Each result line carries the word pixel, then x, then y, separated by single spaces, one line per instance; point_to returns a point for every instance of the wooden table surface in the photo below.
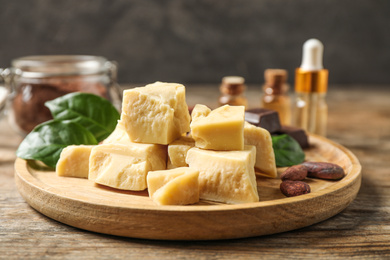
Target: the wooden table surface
pixel 359 119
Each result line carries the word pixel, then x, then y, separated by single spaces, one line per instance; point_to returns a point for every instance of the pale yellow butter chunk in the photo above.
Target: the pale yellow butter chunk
pixel 265 157
pixel 155 154
pixel 220 129
pixel 199 112
pixel 177 151
pixel 157 113
pixel 119 135
pixel 177 186
pixel 124 166
pixel 225 176
pixel 74 161
pixel 170 165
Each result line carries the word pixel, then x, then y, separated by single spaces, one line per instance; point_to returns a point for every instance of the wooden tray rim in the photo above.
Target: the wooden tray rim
pixel 22 172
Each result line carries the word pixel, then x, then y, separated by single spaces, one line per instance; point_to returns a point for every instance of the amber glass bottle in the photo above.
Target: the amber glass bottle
pixel 275 95
pixel 233 92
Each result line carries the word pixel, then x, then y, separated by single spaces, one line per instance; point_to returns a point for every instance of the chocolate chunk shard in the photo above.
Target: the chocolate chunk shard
pixel 297 133
pixel 265 118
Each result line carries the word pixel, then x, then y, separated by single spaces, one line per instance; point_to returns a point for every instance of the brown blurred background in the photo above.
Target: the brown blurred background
pixel 202 41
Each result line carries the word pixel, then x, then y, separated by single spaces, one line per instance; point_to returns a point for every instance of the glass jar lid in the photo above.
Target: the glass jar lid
pixel 60 65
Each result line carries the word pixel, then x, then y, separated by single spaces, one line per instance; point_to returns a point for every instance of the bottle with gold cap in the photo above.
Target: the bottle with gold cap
pixel 232 91
pixel 311 83
pixel 276 94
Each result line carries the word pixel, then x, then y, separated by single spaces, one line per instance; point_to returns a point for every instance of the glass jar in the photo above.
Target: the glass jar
pixel 33 80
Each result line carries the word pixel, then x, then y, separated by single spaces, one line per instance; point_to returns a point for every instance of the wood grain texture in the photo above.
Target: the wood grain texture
pixel 81 203
pixel 359 120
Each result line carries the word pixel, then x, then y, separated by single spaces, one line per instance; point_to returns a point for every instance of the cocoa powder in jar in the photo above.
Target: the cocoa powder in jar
pixel 28 104
pixel 34 80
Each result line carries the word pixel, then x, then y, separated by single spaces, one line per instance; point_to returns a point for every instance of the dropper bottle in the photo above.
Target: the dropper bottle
pixel 311 83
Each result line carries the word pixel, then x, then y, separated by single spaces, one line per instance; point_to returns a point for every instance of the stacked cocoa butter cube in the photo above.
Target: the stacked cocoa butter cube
pixel 209 155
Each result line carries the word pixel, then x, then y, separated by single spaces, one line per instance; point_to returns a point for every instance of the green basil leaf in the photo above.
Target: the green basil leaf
pixel 95 113
pixel 287 151
pixel 47 140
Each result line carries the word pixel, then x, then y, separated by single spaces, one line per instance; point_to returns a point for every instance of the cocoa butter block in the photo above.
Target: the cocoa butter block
pixel 264 118
pixel 177 186
pixel 156 113
pixel 117 166
pixel 177 151
pixel 221 129
pixel 125 166
pixel 265 157
pixel 74 161
pixel 225 176
pixel 297 133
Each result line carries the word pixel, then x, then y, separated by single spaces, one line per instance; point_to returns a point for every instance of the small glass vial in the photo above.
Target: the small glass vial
pixel 276 94
pixel 232 92
pixel 311 112
pixel 311 83
pixel 33 80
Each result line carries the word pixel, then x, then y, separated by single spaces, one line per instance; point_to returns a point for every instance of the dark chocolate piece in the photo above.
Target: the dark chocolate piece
pixel 297 133
pixel 265 118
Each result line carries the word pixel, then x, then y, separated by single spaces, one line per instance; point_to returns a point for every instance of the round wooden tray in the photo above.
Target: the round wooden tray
pixel 83 204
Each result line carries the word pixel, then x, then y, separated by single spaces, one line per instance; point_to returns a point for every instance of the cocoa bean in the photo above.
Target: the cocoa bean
pixel 294 188
pixel 294 173
pixel 324 170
